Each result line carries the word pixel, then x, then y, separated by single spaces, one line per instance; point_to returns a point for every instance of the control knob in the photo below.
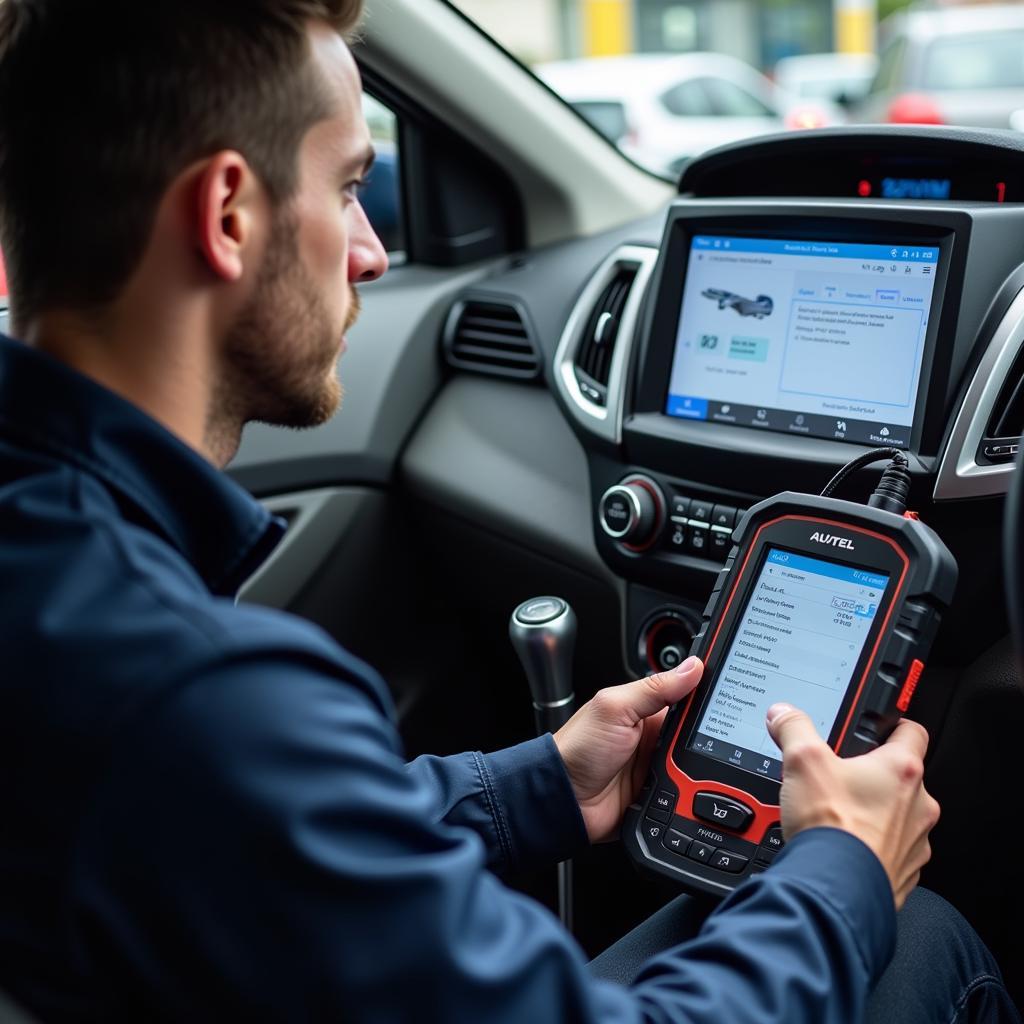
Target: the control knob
pixel 632 512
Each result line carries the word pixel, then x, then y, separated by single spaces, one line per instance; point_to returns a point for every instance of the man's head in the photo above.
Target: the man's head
pixel 208 146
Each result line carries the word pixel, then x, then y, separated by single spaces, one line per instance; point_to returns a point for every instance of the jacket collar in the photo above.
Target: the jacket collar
pixel 162 483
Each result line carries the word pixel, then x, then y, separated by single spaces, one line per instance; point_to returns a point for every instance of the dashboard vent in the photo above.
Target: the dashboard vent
pixel 491 337
pixel 593 360
pixel 1006 424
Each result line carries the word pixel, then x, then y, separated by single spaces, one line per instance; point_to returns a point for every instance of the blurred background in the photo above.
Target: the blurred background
pixel 665 80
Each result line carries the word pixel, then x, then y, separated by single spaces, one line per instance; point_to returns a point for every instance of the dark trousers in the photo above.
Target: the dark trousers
pixel 941 973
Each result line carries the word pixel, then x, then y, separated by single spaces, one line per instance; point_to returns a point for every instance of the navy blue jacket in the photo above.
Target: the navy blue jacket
pixel 205 814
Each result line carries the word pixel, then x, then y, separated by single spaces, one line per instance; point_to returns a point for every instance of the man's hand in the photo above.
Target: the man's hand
pixel 607 744
pixel 878 797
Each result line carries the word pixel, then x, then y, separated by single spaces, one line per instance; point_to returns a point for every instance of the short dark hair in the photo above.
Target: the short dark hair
pixel 103 103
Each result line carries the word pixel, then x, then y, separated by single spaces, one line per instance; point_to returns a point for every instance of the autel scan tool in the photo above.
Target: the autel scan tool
pixel 826 604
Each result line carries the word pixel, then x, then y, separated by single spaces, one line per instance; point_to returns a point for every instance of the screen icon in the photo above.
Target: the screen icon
pixel 762 414
pixel 884 432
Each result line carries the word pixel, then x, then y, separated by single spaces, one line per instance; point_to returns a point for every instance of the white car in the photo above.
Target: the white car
pixel 663 109
pixel 837 77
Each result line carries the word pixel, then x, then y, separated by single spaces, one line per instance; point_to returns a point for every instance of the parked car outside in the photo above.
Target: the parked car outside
pixel 841 78
pixel 663 109
pixel 960 66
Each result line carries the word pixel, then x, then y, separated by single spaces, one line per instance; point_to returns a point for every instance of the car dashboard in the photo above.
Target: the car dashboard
pixel 804 299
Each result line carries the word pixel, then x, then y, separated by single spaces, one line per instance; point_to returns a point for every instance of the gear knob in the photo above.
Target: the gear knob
pixel 543 632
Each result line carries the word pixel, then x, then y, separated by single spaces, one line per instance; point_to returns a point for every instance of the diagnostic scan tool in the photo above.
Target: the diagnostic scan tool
pixel 825 604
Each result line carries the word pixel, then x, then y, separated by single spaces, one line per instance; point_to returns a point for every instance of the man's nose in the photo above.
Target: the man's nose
pixel 367 259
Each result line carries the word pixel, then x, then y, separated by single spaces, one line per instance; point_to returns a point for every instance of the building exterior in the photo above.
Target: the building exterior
pixel 757 31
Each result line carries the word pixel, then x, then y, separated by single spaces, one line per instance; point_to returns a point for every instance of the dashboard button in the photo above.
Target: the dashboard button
pixel 721 542
pixel 721 811
pixel 701 511
pixel 698 540
pixel 726 860
pixel 677 537
pixel 676 842
pixel 723 515
pixel 680 506
pixel 773 839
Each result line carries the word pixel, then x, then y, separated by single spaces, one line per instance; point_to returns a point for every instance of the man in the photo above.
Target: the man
pixel 206 815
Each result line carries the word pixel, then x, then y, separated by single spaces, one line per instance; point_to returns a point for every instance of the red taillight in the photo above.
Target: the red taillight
pixel 913 108
pixel 804 117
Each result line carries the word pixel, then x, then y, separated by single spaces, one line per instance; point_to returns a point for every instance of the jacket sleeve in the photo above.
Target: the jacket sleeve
pixel 518 800
pixel 258 850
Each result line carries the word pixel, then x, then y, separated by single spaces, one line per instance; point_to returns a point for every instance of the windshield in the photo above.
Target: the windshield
pixel 665 81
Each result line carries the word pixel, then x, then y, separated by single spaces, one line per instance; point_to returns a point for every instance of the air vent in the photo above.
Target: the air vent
pixel 491 337
pixel 597 345
pixel 1006 424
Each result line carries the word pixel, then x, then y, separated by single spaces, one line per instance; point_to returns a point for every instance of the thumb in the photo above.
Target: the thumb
pixel 789 727
pixel 636 701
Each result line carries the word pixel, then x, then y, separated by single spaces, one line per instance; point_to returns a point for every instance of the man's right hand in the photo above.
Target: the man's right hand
pixel 879 797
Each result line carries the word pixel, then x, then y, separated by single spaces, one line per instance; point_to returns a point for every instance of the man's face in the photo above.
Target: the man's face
pixel 282 351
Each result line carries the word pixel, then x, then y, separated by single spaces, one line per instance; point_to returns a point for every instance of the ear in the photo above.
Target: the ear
pixel 227 212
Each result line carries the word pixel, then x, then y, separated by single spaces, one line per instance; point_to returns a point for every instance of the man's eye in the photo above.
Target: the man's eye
pixel 354 189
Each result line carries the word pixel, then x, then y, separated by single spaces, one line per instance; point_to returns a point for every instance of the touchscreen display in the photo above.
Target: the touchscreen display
pixel 816 338
pixel 798 640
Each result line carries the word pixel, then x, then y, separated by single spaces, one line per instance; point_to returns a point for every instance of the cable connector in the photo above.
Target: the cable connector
pixel 894 487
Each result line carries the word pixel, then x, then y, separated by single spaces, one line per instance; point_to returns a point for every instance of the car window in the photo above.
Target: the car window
pixel 731 100
pixel 688 99
pixel 986 60
pixel 608 117
pixel 381 196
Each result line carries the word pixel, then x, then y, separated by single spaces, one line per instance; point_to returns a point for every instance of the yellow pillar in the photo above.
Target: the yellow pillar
pixel 854 26
pixel 607 27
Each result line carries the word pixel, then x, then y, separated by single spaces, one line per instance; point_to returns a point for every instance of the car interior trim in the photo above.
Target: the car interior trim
pixel 960 475
pixel 605 421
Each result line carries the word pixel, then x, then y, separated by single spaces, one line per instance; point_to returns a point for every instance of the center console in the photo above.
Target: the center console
pixel 766 343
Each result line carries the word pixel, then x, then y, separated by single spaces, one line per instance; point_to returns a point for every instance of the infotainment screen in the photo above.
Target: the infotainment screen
pixel 817 338
pixel 798 640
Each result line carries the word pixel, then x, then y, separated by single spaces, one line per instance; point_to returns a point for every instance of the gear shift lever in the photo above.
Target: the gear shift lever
pixel 543 632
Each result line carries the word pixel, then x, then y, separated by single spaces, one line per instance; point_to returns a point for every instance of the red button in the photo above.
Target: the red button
pixel 910 685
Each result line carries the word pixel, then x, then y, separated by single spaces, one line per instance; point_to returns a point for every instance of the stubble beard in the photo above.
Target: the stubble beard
pixel 280 357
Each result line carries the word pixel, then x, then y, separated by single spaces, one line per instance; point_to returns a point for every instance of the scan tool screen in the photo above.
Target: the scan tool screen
pixel 798 641
pixel 824 339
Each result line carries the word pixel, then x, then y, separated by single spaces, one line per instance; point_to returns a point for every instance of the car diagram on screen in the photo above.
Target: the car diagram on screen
pixel 758 308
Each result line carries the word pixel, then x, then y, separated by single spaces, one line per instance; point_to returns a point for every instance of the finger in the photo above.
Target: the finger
pixel 633 702
pixel 910 735
pixel 790 728
pixel 645 748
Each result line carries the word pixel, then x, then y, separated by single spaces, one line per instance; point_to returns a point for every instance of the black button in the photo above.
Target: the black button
pixel 701 511
pixel 765 856
pixel 723 515
pixel 701 852
pixel 664 801
pixel 653 829
pixel 773 840
pixel 722 811
pixel 676 842
pixel 659 815
pixel 618 512
pixel 677 537
pixel 725 860
pixel 720 543
pixel 670 657
pixel 698 540
pixel 680 506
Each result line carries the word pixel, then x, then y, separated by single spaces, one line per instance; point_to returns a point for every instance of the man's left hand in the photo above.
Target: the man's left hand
pixel 607 744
